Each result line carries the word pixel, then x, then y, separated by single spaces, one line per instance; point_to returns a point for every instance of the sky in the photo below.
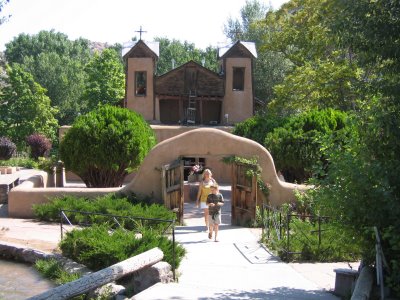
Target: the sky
pixel 200 22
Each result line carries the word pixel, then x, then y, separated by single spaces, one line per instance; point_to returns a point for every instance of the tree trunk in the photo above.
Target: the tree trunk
pixel 92 281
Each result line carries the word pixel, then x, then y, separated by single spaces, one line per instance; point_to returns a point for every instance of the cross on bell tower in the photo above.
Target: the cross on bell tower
pixel 140 32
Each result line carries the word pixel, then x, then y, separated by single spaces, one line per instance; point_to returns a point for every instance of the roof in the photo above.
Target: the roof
pixel 153 46
pixel 249 46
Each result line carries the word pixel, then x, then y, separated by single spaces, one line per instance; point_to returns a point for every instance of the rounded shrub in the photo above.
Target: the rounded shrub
pixel 7 148
pixel 103 146
pixel 39 144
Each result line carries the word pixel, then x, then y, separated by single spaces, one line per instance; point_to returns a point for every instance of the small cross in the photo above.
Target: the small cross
pixel 140 32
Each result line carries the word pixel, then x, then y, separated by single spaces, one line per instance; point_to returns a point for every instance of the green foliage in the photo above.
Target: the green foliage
pixel 54 271
pixel 296 147
pixel 20 162
pixel 57 64
pixel 97 247
pixel 313 239
pixel 103 146
pixel 24 108
pixel 257 127
pixel 110 204
pixel 181 53
pixel 270 66
pixel 106 80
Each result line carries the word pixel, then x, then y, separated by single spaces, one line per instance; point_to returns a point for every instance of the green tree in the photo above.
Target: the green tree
pixel 57 64
pixel 363 187
pixel 106 79
pixel 104 145
pixel 175 53
pixel 270 65
pixel 24 108
pixel 296 146
pixel 64 80
pixel 323 74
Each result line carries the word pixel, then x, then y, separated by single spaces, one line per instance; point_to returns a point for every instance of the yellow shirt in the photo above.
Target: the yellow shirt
pixel 205 190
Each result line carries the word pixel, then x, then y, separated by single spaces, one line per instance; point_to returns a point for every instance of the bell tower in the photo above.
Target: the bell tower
pixel 140 64
pixel 237 68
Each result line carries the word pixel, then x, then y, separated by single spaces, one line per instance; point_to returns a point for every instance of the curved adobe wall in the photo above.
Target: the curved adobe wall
pixel 219 143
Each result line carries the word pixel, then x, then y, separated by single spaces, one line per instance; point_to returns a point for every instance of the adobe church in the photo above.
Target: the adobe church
pixel 191 94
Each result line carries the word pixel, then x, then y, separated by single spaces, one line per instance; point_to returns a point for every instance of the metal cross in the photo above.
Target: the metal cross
pixel 140 32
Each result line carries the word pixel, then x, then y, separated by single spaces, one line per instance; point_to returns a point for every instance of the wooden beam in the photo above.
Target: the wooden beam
pixel 92 281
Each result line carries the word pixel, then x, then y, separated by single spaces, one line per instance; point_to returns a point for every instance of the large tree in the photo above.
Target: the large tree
pixel 106 80
pixel 270 65
pixel 57 64
pixel 24 108
pixel 323 74
pixel 175 53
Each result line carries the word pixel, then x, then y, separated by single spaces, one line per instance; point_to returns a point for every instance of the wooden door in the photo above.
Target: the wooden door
pixel 172 187
pixel 244 195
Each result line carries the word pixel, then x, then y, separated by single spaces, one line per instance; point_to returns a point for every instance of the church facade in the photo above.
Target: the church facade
pixel 191 94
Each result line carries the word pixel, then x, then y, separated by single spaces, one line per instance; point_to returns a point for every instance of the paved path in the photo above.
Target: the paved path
pixel 236 267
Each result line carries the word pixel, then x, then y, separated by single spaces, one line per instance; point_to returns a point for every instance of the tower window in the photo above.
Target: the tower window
pixel 238 79
pixel 140 83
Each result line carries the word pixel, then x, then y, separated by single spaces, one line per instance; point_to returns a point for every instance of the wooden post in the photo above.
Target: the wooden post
pixel 92 281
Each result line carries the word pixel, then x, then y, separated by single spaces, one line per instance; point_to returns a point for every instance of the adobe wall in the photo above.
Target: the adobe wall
pixel 219 144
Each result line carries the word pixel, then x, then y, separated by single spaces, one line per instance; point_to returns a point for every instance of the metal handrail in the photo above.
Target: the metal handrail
pixel 63 217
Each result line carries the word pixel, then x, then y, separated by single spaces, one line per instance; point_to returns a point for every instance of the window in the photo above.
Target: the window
pixel 238 79
pixel 140 83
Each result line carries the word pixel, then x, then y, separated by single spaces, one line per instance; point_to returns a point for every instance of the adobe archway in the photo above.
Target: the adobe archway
pixel 147 180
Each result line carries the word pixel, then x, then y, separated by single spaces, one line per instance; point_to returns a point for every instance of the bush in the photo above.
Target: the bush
pixel 54 271
pixel 39 144
pixel 109 204
pixel 257 127
pixel 97 247
pixel 20 162
pixel 297 146
pixel 7 148
pixel 103 146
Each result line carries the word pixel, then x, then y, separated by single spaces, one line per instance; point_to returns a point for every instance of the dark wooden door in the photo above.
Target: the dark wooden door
pixel 172 187
pixel 244 195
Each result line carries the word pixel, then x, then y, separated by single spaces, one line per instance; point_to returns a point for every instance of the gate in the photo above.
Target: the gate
pixel 172 187
pixel 244 194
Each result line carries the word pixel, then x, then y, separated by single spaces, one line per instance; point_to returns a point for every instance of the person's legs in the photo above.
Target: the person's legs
pixel 206 217
pixel 211 224
pixel 216 231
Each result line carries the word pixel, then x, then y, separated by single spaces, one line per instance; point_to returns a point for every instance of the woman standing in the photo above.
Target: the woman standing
pixel 204 190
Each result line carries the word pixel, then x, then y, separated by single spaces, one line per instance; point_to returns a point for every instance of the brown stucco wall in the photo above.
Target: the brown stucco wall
pixel 238 104
pixel 207 142
pixel 32 191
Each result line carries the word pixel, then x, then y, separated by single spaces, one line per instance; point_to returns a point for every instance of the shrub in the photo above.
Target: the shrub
pixel 54 271
pixel 297 146
pixel 7 148
pixel 103 146
pixel 39 144
pixel 97 247
pixel 109 204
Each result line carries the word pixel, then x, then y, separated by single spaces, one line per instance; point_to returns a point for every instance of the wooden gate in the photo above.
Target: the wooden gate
pixel 172 187
pixel 244 195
